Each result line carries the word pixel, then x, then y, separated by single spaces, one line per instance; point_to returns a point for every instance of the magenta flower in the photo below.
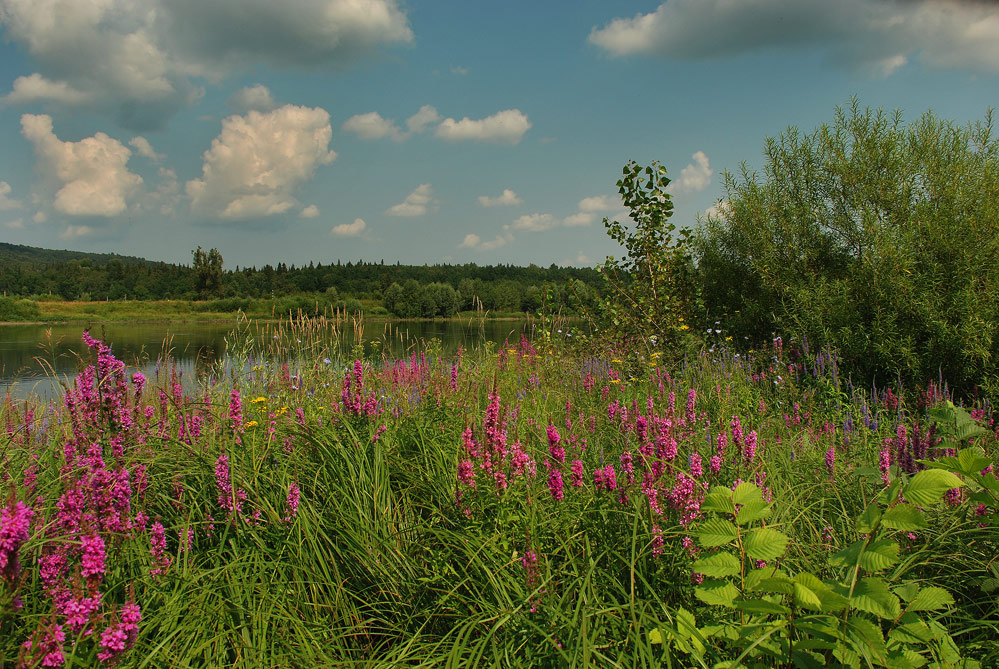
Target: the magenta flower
pixel 15 520
pixel 466 473
pixel 554 445
pixel 291 502
pixel 555 485
pixel 157 550
pixel 93 557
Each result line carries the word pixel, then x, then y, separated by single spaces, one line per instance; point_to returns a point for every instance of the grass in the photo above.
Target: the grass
pixel 52 311
pixel 394 557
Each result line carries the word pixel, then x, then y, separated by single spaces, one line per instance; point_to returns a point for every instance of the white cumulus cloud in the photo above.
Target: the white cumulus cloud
pixel 372 126
pixel 474 241
pixel 878 36
pixel 422 119
pixel 258 162
pixel 90 175
pixel 696 176
pixel 312 211
pixel 6 202
pixel 349 229
pixel 257 97
pixel 507 198
pixel 36 88
pixel 597 203
pixel 415 204
pixel 75 232
pixel 16 224
pixel 535 222
pixel 504 127
pixel 145 149
pixel 145 59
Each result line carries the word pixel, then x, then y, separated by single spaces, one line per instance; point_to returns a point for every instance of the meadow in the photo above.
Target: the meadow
pixel 544 503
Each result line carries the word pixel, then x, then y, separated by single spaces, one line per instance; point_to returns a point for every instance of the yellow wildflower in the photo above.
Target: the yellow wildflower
pixel 258 400
pixel 250 423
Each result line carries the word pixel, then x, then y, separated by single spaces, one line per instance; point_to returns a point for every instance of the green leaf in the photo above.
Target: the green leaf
pixel 879 555
pixel 768 579
pixel 931 598
pixel 807 598
pixel 929 485
pixel 847 557
pixel 718 565
pixel 716 532
pixel 906 591
pixel 972 460
pixel 889 495
pixel 873 596
pixel 753 510
pixel 719 500
pixel 970 431
pixel 868 519
pixel 904 518
pixel 717 593
pixel 765 544
pixel 746 492
pixel 762 606
pixel 867 638
pixel 655 637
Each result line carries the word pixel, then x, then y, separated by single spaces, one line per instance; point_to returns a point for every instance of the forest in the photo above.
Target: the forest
pixel 411 291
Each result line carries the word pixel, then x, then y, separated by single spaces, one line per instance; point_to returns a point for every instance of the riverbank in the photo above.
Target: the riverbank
pixel 216 311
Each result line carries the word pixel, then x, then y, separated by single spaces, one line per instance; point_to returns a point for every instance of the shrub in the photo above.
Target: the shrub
pixel 18 310
pixel 872 235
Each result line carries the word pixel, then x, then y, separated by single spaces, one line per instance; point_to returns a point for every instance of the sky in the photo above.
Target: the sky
pixel 432 131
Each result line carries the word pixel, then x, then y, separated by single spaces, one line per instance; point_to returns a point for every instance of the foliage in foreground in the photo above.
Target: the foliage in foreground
pixel 532 506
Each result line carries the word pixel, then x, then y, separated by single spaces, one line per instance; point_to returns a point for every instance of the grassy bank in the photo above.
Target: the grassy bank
pixel 535 505
pixel 51 311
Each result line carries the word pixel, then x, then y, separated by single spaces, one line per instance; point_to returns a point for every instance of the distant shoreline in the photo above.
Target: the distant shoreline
pixel 184 311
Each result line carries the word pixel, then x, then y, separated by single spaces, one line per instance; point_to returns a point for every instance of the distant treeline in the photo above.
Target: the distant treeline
pixel 403 290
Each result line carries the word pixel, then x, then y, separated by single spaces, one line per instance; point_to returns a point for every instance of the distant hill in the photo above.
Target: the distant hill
pixel 16 253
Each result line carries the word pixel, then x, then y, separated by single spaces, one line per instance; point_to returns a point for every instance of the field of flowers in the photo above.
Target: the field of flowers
pixel 539 504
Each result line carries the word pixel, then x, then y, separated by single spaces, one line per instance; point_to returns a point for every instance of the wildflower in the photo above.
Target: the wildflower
pixel 750 447
pixel 93 556
pixel 831 459
pixel 554 445
pixel 466 473
pixel 14 523
pixel 292 501
pixel 577 474
pixel 120 636
pixel 555 485
pixel 157 549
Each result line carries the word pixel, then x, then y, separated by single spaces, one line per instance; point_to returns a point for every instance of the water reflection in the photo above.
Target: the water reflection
pixel 36 360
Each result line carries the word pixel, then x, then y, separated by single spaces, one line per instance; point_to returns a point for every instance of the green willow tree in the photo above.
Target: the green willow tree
pixel 877 237
pixel 651 294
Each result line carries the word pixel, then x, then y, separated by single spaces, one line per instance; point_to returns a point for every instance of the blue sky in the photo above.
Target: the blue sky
pixel 426 132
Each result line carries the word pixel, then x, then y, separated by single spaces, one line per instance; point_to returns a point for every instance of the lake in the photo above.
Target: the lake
pixel 34 359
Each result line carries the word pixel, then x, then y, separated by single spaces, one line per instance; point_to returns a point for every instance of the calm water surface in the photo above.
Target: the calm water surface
pixel 36 359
